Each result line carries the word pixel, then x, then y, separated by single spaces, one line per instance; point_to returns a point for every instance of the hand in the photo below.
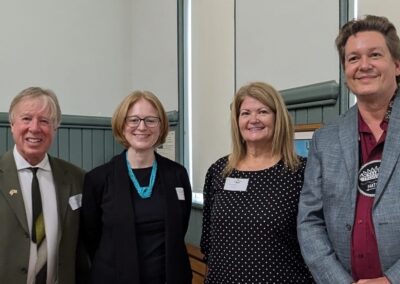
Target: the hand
pixel 380 280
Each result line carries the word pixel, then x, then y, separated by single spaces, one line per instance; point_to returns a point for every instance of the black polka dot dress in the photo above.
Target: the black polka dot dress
pixel 250 236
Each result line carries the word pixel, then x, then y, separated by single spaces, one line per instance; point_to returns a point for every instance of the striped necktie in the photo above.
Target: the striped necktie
pixel 38 230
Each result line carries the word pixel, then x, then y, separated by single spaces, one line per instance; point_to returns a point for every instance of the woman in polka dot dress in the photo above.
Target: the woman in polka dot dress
pixel 251 196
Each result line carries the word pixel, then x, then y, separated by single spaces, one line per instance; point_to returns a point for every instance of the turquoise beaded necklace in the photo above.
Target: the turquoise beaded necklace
pixel 143 191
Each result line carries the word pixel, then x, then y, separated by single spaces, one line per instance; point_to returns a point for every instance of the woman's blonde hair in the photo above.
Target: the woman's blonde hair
pixel 119 117
pixel 282 141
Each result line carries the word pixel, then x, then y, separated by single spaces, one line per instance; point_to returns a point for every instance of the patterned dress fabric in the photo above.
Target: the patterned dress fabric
pixel 250 236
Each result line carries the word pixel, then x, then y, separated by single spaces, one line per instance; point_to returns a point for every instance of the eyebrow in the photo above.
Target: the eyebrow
pixel 264 107
pixel 380 48
pixel 33 114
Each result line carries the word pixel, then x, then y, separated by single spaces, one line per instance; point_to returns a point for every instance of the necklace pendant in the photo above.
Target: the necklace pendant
pixel 143 191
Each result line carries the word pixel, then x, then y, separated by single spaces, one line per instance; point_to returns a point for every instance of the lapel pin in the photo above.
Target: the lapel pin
pixel 12 192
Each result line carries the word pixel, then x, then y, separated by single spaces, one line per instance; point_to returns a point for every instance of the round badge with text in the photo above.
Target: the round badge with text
pixel 368 178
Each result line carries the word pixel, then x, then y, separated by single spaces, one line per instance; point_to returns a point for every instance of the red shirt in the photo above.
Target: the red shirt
pixel 365 262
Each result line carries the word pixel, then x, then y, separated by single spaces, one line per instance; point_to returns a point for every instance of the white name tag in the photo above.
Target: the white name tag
pixel 180 193
pixel 75 201
pixel 236 184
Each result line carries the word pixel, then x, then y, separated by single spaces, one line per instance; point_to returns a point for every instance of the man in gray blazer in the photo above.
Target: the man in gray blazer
pixel 40 250
pixel 349 211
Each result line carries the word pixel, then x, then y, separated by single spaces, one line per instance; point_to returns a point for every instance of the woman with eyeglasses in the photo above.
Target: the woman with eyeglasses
pixel 135 208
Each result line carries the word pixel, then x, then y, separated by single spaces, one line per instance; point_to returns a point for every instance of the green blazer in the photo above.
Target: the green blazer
pixel 14 231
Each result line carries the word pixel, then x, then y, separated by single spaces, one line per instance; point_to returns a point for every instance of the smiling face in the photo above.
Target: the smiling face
pixel 142 138
pixel 32 129
pixel 256 122
pixel 370 69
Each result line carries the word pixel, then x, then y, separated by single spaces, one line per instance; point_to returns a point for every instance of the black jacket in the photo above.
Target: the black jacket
pixel 107 222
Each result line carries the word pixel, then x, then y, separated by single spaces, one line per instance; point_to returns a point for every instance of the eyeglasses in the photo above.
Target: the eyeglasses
pixel 149 121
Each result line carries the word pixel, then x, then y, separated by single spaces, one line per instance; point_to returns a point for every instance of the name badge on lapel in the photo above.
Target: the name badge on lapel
pixel 180 193
pixel 236 184
pixel 75 201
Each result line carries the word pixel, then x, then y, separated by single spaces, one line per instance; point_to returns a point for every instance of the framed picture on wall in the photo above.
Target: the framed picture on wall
pixel 302 137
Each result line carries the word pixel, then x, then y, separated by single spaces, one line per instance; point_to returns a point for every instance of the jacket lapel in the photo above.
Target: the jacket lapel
pixel 11 189
pixel 124 231
pixel 348 137
pixel 391 150
pixel 63 188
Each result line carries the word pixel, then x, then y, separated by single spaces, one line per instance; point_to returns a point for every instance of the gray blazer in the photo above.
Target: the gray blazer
pixel 327 201
pixel 14 231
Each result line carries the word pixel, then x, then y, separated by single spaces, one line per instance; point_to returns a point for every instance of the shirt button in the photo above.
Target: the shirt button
pixel 348 227
pixel 24 270
pixel 360 221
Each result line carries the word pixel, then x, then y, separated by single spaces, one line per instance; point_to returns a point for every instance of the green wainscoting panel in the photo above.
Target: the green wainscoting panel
pixel 3 140
pixel 193 234
pixel 314 115
pixel 54 147
pixel 6 141
pixel 63 148
pixel 82 140
pixel 331 113
pixel 301 116
pixel 87 154
pixel 98 146
pixel 292 114
pixel 75 143
pixel 109 143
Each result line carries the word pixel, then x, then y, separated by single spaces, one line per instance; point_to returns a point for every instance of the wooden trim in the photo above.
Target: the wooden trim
pixel 197 264
pixel 307 127
pixel 194 251
pixel 197 278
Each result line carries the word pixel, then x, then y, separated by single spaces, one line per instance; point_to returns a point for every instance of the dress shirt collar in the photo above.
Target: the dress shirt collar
pixel 21 163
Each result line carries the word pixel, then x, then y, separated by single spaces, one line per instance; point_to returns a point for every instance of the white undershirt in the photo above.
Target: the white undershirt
pixel 50 212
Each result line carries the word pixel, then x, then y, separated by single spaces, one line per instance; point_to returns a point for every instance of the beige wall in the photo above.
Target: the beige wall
pixel 213 83
pixel 154 56
pixel 286 43
pixel 387 8
pixel 92 53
